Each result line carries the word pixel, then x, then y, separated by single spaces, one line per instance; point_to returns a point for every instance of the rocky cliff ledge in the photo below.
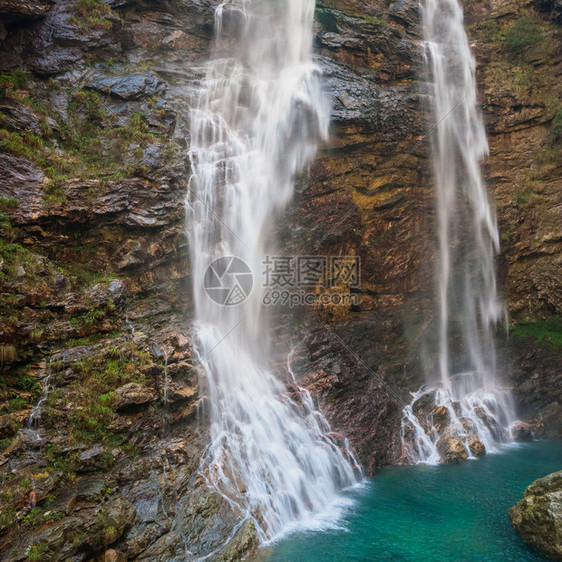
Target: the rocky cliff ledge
pixel 94 280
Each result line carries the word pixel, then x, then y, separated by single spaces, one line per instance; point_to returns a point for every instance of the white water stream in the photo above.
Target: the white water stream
pixel 256 123
pixel 468 304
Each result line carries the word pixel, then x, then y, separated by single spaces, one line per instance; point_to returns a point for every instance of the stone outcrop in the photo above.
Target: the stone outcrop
pixel 538 516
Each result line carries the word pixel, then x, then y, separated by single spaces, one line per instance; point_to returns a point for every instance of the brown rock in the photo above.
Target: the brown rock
pixel 452 450
pixel 441 418
pixel 476 447
pixel 134 394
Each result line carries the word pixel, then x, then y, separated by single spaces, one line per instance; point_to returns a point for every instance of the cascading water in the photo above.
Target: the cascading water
pixel 471 405
pixel 256 123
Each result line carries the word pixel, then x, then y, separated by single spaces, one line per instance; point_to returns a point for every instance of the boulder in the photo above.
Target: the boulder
pixel 132 86
pixel 134 394
pixel 538 516
pixel 452 450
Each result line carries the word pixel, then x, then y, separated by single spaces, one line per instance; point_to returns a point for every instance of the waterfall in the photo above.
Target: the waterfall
pixel 468 396
pixel 255 124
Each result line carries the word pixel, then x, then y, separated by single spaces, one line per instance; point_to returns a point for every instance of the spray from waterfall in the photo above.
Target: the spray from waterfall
pixel 256 123
pixel 467 401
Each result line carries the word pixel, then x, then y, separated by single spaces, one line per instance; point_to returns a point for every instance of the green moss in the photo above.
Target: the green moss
pixel 90 423
pixel 491 30
pixel 27 383
pixel 60 460
pixel 87 319
pixel 547 330
pixel 13 405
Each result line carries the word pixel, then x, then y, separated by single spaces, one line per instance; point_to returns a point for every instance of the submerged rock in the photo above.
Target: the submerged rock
pixel 538 516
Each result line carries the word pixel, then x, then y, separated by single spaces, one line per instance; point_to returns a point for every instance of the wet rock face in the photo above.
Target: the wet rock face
pixel 538 516
pixel 359 397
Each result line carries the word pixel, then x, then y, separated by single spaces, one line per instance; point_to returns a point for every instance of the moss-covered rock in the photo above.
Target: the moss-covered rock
pixel 538 516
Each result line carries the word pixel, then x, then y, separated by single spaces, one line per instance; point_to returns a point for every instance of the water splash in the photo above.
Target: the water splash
pixel 256 123
pixel 469 306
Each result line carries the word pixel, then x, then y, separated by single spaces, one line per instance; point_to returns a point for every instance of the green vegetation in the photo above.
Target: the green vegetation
pixel 97 376
pixel 524 33
pixel 87 319
pixel 36 552
pixel 547 330
pixel 90 145
pixel 92 14
pixel 23 143
pixel 13 80
pixel 11 254
pixel 490 29
pixel 375 20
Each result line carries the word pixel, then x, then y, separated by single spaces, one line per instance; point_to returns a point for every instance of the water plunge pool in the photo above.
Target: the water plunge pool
pixel 432 513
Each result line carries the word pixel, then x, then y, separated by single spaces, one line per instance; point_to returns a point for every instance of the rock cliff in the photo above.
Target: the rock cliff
pixel 94 279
